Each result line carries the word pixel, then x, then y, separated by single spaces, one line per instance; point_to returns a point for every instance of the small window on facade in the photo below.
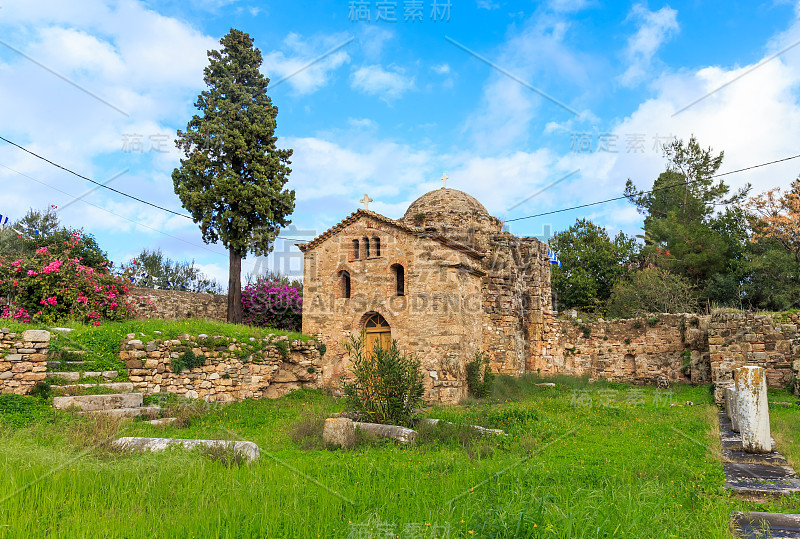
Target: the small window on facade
pixel 399 280
pixel 355 249
pixel 344 283
pixel 366 247
pixel 376 241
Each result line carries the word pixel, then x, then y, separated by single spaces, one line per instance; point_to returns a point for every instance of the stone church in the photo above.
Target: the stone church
pixel 444 281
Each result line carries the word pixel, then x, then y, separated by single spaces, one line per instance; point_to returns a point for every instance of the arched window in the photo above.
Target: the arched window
pixel 366 247
pixel 376 241
pixel 355 249
pixel 344 284
pixel 399 274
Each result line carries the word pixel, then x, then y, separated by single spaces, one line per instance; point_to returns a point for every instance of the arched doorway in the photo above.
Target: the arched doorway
pixel 378 333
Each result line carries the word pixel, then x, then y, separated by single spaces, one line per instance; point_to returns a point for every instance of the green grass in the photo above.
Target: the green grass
pixel 785 424
pixel 102 342
pixel 580 460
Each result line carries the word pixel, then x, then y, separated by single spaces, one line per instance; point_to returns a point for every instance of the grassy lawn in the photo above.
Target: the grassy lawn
pixel 580 460
pixel 102 342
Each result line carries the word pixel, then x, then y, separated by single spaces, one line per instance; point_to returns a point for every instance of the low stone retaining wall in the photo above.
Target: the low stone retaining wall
pixel 178 304
pixel 23 359
pixel 739 339
pixel 232 371
pixel 672 347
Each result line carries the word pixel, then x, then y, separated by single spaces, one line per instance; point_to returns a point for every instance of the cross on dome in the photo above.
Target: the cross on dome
pixel 365 201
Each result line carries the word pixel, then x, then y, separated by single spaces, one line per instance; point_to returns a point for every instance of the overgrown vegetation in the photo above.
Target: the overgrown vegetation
pixel 386 385
pixel 564 467
pixel 188 360
pixel 479 376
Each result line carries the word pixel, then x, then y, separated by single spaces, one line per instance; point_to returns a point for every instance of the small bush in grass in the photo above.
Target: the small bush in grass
pixel 479 376
pixel 42 390
pixel 386 385
pixel 307 432
pixel 225 453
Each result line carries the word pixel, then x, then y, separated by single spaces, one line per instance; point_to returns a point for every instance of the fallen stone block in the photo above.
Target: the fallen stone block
pixel 482 430
pixel 339 431
pixel 124 387
pixel 394 432
pixel 131 443
pixel 137 411
pixel 89 403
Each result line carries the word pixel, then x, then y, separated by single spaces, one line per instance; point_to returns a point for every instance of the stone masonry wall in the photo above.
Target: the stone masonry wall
pixel 177 304
pixel 672 347
pixel 233 370
pixel 769 341
pixel 23 359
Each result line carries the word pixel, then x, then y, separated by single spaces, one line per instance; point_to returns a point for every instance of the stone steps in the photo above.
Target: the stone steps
pixel 122 387
pixel 752 525
pixel 753 474
pixel 114 404
pixel 74 376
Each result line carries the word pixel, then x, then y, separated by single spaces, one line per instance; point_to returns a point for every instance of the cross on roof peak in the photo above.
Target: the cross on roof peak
pixel 444 179
pixel 365 201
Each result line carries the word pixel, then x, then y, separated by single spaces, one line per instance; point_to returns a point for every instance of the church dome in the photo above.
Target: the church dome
pixel 448 208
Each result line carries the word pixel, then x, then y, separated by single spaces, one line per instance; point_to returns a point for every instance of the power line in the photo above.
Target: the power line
pixel 111 212
pixel 94 182
pixel 112 189
pixel 652 190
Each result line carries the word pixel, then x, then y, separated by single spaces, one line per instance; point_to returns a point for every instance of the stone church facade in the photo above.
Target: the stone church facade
pixel 444 281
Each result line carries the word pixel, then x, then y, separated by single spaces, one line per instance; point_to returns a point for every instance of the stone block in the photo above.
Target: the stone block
pixel 247 449
pixel 99 402
pixel 339 431
pixel 752 409
pixel 36 335
pixel 133 364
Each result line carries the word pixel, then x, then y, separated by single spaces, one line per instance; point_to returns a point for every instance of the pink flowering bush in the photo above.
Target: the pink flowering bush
pixel 52 285
pixel 269 303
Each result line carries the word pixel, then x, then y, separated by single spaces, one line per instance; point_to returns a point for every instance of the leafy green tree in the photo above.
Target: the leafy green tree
pixel 590 264
pixel 233 175
pixel 153 269
pixel 684 231
pixel 651 290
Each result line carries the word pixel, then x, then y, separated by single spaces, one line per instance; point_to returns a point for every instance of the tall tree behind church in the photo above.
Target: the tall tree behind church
pixel 692 226
pixel 232 179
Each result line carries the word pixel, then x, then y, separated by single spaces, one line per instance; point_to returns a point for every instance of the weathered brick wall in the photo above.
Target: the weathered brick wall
pixel 23 359
pixel 177 304
pixel 233 370
pixel 738 339
pixel 671 347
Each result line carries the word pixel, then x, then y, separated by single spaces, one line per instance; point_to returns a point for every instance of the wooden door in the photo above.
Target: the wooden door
pixel 378 333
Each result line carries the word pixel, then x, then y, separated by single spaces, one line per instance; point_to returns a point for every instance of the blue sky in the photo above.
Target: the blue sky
pixel 506 97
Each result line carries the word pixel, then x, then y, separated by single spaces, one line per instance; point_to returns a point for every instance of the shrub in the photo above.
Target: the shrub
pixel 269 303
pixel 652 290
pixel 189 360
pixel 386 385
pixel 49 287
pixel 479 376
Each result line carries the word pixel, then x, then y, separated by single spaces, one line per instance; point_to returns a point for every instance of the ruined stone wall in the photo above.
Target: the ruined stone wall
pixel 438 319
pixel 23 359
pixel 769 341
pixel 178 304
pixel 672 347
pixel 233 370
pixel 517 302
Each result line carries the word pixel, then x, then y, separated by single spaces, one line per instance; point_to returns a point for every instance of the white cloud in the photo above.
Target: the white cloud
pixel 655 28
pixel 389 83
pixel 309 64
pixel 441 69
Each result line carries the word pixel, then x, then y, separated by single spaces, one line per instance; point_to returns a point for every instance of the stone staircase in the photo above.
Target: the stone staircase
pixel 112 404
